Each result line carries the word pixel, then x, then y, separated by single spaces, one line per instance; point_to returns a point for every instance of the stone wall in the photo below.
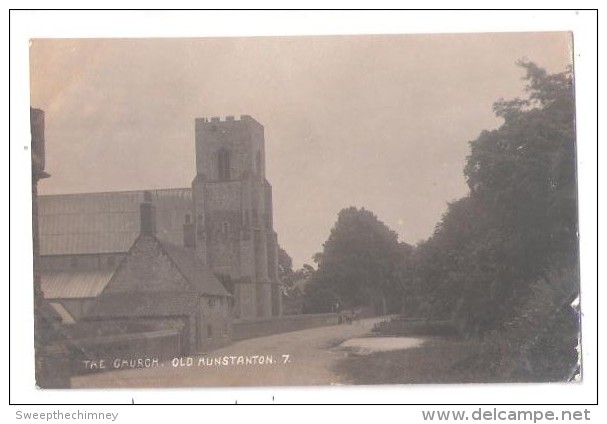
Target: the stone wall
pixel 246 300
pixel 264 327
pixel 216 329
pixel 147 269
pixel 264 300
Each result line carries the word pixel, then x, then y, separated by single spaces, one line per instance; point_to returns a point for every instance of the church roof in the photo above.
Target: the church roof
pixel 89 223
pixel 74 284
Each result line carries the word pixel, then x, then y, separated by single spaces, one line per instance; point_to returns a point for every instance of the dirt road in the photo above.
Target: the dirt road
pixel 298 358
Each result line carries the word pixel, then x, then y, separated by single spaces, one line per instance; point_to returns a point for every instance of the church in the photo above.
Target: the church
pixel 170 249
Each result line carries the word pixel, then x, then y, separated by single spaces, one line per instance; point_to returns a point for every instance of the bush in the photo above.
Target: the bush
pixel 400 326
pixel 540 342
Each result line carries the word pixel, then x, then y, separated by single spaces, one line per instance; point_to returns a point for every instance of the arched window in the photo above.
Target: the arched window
pixel 225 227
pixel 223 164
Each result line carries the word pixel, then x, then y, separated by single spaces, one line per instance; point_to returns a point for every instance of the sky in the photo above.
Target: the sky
pixel 381 122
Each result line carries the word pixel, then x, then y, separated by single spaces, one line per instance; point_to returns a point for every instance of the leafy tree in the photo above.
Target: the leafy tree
pixel 523 175
pixel 292 295
pixel 307 270
pixel 361 265
pixel 524 172
pixel 285 266
pixel 409 284
pixel 519 222
pixel 319 296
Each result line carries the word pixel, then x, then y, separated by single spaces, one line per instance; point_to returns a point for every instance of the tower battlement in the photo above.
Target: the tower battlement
pixel 229 148
pixel 226 119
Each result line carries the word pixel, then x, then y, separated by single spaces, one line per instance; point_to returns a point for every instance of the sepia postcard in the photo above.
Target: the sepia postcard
pixel 305 211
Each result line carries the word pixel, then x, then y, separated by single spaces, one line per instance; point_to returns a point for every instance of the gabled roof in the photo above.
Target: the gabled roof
pixel 198 275
pixel 148 304
pixel 89 223
pixel 74 284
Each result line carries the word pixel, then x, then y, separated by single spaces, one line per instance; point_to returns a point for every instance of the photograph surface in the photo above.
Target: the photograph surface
pixel 311 210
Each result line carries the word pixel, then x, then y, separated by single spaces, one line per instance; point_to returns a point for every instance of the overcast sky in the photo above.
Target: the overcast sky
pixel 381 122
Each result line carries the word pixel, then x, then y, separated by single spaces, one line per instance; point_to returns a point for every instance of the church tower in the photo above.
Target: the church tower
pixel 233 213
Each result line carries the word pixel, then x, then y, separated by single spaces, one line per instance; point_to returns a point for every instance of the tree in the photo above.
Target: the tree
pixel 524 173
pixel 519 222
pixel 285 266
pixel 524 176
pixel 409 284
pixel 294 284
pixel 361 265
pixel 319 296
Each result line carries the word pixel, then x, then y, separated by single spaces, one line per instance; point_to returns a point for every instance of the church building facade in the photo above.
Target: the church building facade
pixel 225 218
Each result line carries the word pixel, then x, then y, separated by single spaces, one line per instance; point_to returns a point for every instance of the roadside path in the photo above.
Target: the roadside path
pixel 311 359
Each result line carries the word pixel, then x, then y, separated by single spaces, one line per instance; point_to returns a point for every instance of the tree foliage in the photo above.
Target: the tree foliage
pixel 519 222
pixel 361 265
pixel 285 266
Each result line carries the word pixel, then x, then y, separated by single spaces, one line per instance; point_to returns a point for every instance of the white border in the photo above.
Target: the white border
pixel 25 25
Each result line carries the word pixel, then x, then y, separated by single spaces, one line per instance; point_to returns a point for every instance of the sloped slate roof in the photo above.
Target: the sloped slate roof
pixel 74 284
pixel 127 305
pixel 88 223
pixel 195 272
pixel 66 317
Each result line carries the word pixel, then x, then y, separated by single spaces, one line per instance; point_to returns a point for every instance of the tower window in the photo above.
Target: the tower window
pixel 225 227
pixel 223 164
